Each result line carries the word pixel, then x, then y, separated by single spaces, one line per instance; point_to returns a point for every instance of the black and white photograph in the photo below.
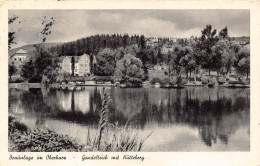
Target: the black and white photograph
pixel 128 80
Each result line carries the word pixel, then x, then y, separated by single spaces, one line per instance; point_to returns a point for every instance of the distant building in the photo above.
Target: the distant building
pixel 160 67
pixel 242 40
pixel 19 57
pixel 173 40
pixel 191 39
pixel 152 41
pixel 82 64
pixel 167 48
pixel 18 60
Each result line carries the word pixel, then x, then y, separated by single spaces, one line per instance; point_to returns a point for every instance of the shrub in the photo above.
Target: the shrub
pixel 166 81
pixel 103 78
pixel 155 80
pixel 22 139
pixel 17 80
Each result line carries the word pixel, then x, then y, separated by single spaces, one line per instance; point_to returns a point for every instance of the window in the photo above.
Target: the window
pixel 20 59
pixel 15 59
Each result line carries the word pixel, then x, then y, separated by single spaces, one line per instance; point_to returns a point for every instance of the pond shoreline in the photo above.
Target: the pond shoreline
pixel 24 85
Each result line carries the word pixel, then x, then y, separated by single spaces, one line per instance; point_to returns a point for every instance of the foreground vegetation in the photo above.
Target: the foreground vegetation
pixel 23 139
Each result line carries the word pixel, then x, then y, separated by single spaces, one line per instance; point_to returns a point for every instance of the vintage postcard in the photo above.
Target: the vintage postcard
pixel 130 83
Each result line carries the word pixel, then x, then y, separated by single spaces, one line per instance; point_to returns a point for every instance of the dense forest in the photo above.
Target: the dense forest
pixel 93 44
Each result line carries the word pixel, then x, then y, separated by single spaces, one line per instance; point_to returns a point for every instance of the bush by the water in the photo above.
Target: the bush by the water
pixel 23 139
pixel 103 78
pixel 16 80
pixel 155 80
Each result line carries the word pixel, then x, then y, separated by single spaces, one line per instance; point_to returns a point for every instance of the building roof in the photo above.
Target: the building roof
pixel 70 57
pixel 21 51
pixel 168 45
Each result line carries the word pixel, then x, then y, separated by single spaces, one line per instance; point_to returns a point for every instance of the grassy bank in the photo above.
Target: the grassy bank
pixel 112 139
pixel 23 139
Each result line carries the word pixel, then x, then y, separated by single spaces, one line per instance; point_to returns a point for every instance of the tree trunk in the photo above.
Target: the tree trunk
pixel 169 70
pixel 227 72
pixel 187 74
pixel 190 73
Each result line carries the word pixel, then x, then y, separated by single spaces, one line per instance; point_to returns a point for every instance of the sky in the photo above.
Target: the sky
pixel 71 25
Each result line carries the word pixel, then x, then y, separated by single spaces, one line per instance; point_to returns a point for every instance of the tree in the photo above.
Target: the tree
pixel 242 61
pixel 105 62
pixel 244 66
pixel 28 71
pixel 131 49
pixel 207 41
pixel 219 50
pixel 43 67
pixel 223 33
pixel 129 70
pixel 72 65
pixel 46 29
pixel 175 66
pixel 119 53
pixel 11 70
pixel 187 60
pixel 11 33
pixel 207 33
pixel 227 59
pixel 142 43
pixel 143 56
pixel 229 56
pixel 159 56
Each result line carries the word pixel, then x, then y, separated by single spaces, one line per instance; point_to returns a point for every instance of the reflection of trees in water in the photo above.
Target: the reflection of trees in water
pixel 216 114
pixel 215 119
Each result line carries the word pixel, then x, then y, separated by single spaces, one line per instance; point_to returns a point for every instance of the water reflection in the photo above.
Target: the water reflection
pixel 216 113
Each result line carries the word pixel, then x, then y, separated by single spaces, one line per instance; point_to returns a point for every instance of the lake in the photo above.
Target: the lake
pixel 189 119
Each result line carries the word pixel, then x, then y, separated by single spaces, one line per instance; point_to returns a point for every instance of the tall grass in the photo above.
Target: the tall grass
pixel 111 137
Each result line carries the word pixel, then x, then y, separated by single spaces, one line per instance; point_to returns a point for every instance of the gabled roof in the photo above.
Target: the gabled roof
pixel 21 51
pixel 70 57
pixel 61 58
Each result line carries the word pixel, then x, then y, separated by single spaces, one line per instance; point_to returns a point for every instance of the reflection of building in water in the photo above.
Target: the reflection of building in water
pixel 82 101
pixel 64 100
pixel 70 100
pixel 17 108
